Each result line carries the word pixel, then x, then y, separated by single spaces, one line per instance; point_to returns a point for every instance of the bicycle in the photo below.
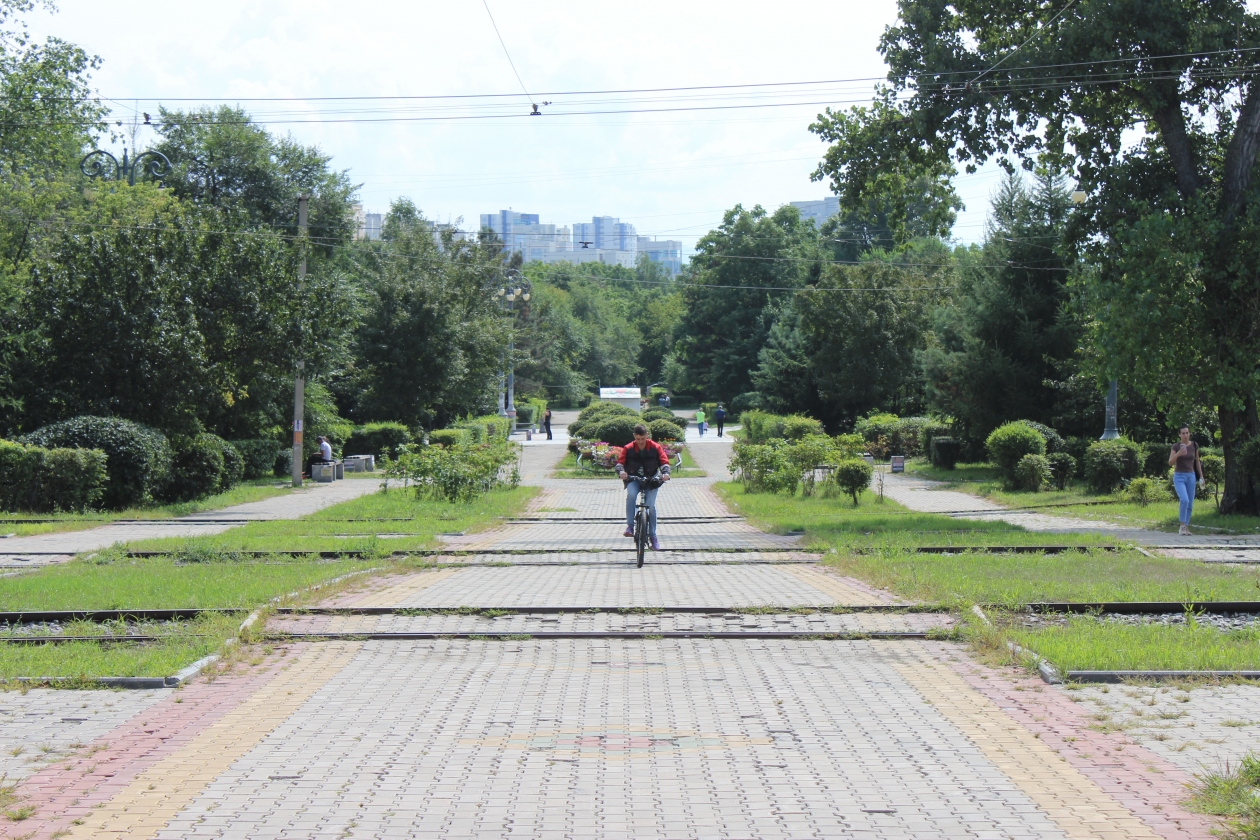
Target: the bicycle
pixel 642 514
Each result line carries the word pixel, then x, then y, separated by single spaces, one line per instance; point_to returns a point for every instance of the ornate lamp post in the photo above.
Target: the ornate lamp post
pixel 517 288
pixel 101 164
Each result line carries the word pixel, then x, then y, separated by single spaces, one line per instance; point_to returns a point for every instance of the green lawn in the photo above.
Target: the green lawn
pixel 568 468
pixel 416 521
pixel 249 491
pixel 1087 644
pixel 922 468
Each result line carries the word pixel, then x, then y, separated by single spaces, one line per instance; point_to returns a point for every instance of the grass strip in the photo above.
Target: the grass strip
pixel 418 522
pixel 1088 644
pixel 250 491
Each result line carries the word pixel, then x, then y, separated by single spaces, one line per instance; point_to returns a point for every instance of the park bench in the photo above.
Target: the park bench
pixel 360 463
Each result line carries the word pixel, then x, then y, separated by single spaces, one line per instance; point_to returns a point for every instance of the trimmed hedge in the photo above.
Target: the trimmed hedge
pixel 660 413
pixel 378 439
pixel 593 415
pixel 488 427
pixel 259 456
pixel 138 457
pixel 41 480
pixel 448 437
pixel 1111 463
pixel 944 452
pixel 617 430
pixel 1010 442
pixel 929 431
pixel 1032 473
pixel 665 430
pixel 198 468
pixel 1054 443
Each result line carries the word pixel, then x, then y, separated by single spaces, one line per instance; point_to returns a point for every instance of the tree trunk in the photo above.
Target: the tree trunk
pixel 1237 427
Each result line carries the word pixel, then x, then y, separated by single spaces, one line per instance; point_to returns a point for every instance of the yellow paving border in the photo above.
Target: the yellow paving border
pixel 1073 801
pixel 830 585
pixel 154 797
pixel 396 595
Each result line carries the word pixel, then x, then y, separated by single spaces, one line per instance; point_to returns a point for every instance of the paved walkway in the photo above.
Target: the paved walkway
pixel 43 549
pixel 605 737
pixel 934 497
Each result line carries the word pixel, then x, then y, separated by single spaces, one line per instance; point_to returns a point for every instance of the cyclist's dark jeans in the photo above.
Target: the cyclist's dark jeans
pixel 632 502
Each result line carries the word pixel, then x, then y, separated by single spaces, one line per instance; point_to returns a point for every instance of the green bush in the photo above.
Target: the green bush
pixel 660 413
pixel 524 414
pixel 1144 490
pixel 1110 463
pixel 944 452
pixel 1154 460
pixel 1032 473
pixel 1249 458
pixel 1010 442
pixel 139 458
pixel 41 480
pixel 486 428
pixel 233 465
pixel 797 426
pixel 853 476
pixel 448 437
pixel 877 425
pixel 283 467
pixel 763 467
pixel 1062 469
pixel 761 426
pixel 1213 471
pixel 1054 443
pixel 382 440
pixel 1077 447
pixel 930 430
pixel 460 472
pixel 617 430
pixel 903 435
pixel 197 468
pixel 665 430
pixel 259 456
pixel 594 414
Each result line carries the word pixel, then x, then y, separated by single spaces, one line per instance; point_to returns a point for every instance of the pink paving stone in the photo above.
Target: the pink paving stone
pixel 1135 777
pixel 62 795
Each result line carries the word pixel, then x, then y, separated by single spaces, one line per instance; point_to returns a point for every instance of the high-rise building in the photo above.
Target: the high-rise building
pixel 604 239
pixel 372 223
pixel 607 233
pixel 818 211
pixel 667 252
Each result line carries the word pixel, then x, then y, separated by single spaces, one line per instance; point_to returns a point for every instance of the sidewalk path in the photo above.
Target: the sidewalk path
pixel 43 549
pixel 625 738
pixel 932 497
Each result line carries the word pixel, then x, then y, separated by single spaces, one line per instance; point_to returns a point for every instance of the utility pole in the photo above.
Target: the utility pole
pixel 299 381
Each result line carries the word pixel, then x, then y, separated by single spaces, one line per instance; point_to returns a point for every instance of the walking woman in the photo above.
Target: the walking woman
pixel 1184 459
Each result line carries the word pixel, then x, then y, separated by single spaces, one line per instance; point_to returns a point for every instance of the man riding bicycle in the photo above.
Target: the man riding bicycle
pixel 640 462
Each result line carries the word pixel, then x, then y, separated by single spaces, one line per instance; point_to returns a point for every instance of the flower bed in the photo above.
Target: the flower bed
pixel 599 455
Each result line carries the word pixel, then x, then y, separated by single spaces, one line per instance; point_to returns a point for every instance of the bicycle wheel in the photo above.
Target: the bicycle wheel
pixel 641 534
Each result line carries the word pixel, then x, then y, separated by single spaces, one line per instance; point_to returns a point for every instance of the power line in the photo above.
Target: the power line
pixel 1070 4
pixel 508 54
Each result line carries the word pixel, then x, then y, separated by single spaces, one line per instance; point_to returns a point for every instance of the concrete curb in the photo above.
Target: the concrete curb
pixel 1156 676
pixel 838 609
pixel 1048 672
pixel 676 634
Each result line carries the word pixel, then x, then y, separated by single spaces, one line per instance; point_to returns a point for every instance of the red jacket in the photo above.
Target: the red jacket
pixel 652 458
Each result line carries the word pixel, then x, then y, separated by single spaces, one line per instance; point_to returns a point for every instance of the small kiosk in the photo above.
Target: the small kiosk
pixel 629 397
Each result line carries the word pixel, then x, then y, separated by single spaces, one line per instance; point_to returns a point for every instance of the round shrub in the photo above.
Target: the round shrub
pixel 928 431
pixel 378 439
pixel 1145 490
pixel 944 452
pixel 1110 463
pixel 1008 443
pixel 617 430
pixel 594 414
pixel 138 457
pixel 259 456
pixel 1062 468
pixel 797 426
pixel 197 468
pixel 662 429
pixel 233 465
pixel 854 476
pixel 1054 443
pixel 659 413
pixel 447 437
pixel 1213 469
pixel 1032 473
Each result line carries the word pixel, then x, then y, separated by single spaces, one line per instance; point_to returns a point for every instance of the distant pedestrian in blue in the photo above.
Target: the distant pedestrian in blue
pixel 719 417
pixel 1184 459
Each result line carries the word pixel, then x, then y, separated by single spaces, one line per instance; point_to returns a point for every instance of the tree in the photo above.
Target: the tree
pixel 741 273
pixel 221 158
pixel 998 343
pixel 1153 106
pixel 176 317
pixel 432 338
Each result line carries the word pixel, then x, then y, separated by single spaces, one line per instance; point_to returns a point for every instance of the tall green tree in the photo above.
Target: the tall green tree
pixel 741 275
pixel 432 338
pixel 998 344
pixel 220 157
pixel 1154 107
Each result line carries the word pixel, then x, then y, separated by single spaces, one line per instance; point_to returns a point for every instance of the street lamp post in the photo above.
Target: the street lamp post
pixel 517 288
pixel 101 164
pixel 1111 432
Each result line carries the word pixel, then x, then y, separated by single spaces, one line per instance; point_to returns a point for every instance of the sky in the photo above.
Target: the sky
pixel 670 172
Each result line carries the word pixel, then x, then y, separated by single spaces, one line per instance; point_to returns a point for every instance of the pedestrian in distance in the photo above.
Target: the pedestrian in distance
pixel 547 422
pixel 1184 459
pixel 719 418
pixel 700 420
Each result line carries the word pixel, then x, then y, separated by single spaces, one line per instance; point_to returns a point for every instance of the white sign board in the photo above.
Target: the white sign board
pixel 620 393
